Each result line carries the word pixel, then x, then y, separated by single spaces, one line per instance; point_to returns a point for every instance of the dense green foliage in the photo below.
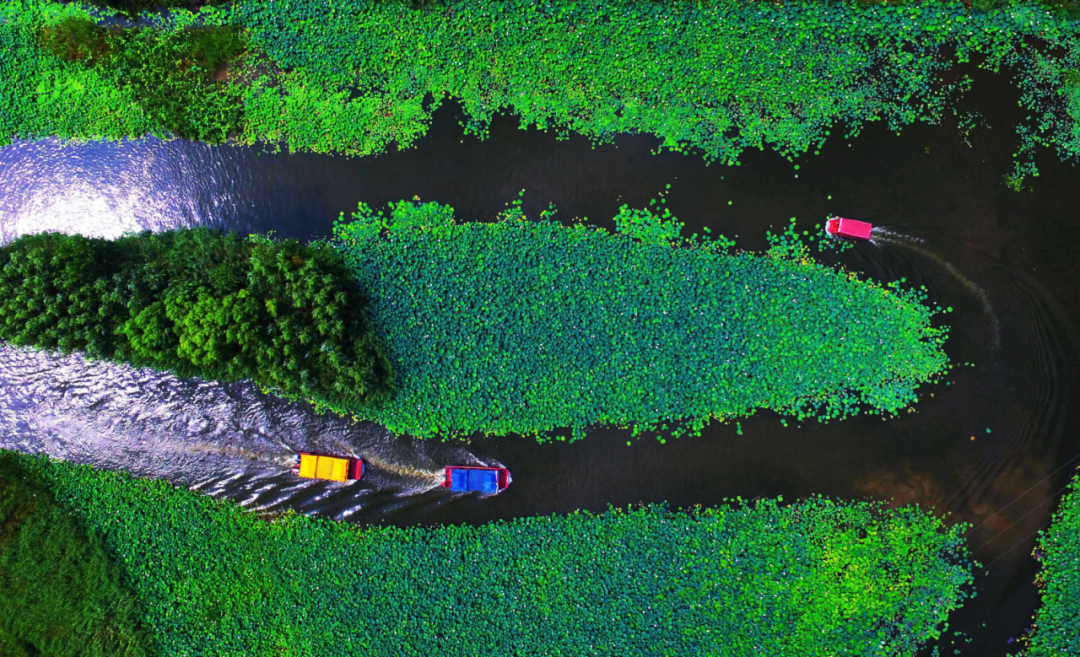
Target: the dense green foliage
pixel 172 78
pixel 1057 622
pixel 715 77
pixel 1064 8
pixel 170 74
pixel 522 326
pixel 198 302
pixel 812 578
pixel 74 39
pixel 63 75
pixel 60 594
pixel 131 8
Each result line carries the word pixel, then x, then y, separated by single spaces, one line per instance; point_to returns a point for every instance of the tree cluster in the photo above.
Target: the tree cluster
pixel 201 303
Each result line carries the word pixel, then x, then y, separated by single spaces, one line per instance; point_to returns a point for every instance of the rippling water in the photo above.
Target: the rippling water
pixel 1004 261
pixel 224 439
pixel 106 189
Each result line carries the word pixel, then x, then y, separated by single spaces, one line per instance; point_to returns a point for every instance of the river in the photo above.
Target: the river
pixel 1003 260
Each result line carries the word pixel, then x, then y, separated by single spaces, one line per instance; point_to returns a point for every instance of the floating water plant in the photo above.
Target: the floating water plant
pixel 1057 622
pixel 61 593
pixel 813 577
pixel 526 327
pixel 714 78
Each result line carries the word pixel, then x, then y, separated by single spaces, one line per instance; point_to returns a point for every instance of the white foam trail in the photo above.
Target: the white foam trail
pixel 436 476
pixel 881 236
pixel 222 439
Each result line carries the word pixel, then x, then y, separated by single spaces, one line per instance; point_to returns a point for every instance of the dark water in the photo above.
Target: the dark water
pixel 1003 260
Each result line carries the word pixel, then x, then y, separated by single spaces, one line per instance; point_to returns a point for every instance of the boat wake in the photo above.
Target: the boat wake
pixel 225 439
pixel 881 236
pixel 435 476
pixel 1003 480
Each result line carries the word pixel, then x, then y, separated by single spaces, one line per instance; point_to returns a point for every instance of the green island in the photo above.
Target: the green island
pixel 813 577
pixel 355 77
pixel 432 327
pixel 528 326
pixel 1057 624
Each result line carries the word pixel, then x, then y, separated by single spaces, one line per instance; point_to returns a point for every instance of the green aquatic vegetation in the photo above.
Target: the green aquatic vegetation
pixel 63 75
pixel 173 78
pixel 1065 8
pixel 131 8
pixel 713 77
pixel 200 303
pixel 1072 96
pixel 1057 622
pixel 76 38
pixel 814 577
pixel 61 594
pixel 528 327
pixel 42 94
pixel 171 74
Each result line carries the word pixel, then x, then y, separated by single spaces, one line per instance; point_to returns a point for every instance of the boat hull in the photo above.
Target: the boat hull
pixel 849 228
pixel 330 468
pixel 467 478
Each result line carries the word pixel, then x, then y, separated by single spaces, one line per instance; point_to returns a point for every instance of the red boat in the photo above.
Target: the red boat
pixel 463 478
pixel 856 230
pixel 332 468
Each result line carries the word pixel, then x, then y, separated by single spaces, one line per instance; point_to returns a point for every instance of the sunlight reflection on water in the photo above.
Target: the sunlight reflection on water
pixel 104 189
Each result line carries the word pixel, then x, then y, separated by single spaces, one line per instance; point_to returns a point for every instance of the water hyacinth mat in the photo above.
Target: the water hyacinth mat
pixel 714 78
pixel 530 326
pixel 814 577
pixel 1056 629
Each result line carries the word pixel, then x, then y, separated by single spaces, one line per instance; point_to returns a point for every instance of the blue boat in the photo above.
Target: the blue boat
pixel 466 478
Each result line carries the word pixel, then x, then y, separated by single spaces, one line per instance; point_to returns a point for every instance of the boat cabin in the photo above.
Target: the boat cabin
pixel 464 478
pixel 331 468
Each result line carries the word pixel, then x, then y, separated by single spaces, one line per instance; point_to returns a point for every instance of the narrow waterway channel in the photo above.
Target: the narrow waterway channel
pixel 993 448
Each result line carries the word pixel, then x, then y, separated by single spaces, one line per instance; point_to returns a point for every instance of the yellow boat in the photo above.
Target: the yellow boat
pixel 331 468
